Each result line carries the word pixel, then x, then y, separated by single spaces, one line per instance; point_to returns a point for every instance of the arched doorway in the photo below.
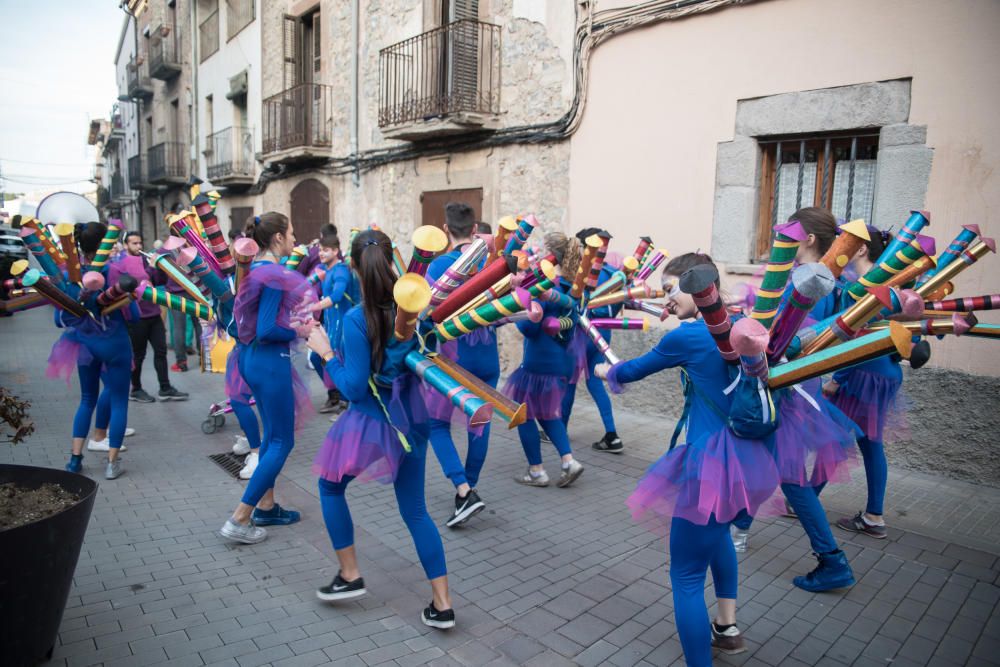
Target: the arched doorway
pixel 310 209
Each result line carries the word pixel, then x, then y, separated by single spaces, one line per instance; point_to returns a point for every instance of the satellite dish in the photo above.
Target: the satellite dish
pixel 66 207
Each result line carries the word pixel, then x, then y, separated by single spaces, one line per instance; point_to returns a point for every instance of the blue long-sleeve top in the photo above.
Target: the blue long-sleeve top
pixel 544 354
pixel 269 303
pixel 344 292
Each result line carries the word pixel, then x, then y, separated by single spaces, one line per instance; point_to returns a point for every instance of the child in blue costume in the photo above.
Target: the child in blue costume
pixel 702 485
pixel 476 353
pixel 541 380
pixel 340 292
pixel 383 433
pixel 268 319
pixel 866 393
pixel 101 350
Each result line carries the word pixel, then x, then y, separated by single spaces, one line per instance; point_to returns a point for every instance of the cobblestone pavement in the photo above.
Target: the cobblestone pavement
pixel 543 577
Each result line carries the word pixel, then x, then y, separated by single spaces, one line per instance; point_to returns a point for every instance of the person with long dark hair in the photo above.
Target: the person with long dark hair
pixel 383 433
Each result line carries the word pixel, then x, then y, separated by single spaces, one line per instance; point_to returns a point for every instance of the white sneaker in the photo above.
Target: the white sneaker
pixel 101 445
pixel 248 534
pixel 249 466
pixel 241 446
pixel 129 432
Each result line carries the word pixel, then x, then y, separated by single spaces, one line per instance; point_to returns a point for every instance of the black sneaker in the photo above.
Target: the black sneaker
pixel 857 524
pixel 466 508
pixel 342 590
pixel 140 396
pixel 728 640
pixel 172 394
pixel 609 443
pixel 442 620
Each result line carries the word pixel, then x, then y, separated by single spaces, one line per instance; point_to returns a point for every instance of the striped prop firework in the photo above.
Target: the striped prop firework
pixel 590 247
pixel 649 267
pixel 645 243
pixel 24 302
pixel 621 324
pixel 412 294
pixel 851 237
pixel 598 264
pixel 985 302
pixel 595 336
pixel 654 309
pixel 750 339
pixel 190 258
pixel 811 283
pixel 502 286
pixel 848 323
pixel 984 331
pixel 181 225
pixel 520 235
pixel 216 241
pixel 173 272
pixel 476 285
pixel 907 235
pixel 909 274
pixel 49 265
pixel 506 226
pixel 615 283
pixel 317 276
pixel 547 280
pixel 699 282
pixel 634 293
pixel 428 241
pixel 54 295
pixel 483 316
pixel 103 254
pixel 896 338
pixel 787 237
pixel 125 287
pixel 561 299
pixel 476 409
pixel 513 413
pixel 64 231
pixel 553 326
pixel 969 256
pixel 294 259
pixel 906 303
pixel 954 250
pixel 891 266
pixel 16 283
pixel 958 324
pixel 42 232
pixel 161 297
pixel 538 273
pixel 456 274
pixel 397 261
pixel 533 314
pixel 244 250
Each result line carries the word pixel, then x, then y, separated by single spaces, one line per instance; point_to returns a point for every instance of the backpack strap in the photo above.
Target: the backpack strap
pixel 691 388
pixel 385 411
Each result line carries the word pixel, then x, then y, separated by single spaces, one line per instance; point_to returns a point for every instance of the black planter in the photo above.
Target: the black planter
pixel 37 561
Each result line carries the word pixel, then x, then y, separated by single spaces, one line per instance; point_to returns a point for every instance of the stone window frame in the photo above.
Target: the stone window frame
pixel 902 172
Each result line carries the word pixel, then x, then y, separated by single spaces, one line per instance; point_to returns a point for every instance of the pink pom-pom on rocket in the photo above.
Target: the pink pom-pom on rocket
pixel 93 281
pixel 749 337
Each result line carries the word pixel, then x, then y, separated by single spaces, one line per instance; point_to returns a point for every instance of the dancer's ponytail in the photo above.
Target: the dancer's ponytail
pixel 371 256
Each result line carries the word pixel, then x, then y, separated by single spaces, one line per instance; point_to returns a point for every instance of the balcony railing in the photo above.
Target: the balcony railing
pixel 118 191
pixel 451 70
pixel 139 83
pixel 168 163
pixel 164 56
pixel 231 160
pixel 138 176
pixel 239 14
pixel 300 117
pixel 103 196
pixel 208 36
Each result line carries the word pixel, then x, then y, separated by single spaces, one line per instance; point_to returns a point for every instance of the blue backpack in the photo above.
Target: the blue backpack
pixel 751 415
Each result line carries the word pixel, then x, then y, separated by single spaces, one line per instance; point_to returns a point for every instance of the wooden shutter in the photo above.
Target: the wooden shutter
pixel 317 49
pixel 432 204
pixel 290 49
pixel 464 9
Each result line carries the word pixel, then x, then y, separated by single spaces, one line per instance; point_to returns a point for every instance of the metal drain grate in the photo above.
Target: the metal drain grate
pixel 229 462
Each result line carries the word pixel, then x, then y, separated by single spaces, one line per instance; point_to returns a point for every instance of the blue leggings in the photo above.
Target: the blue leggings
pixel 247 419
pixel 876 473
pixel 267 369
pixel 597 391
pixel 805 501
pixel 316 362
pixel 112 362
pixel 447 455
pixel 693 550
pixel 531 441
pixel 409 488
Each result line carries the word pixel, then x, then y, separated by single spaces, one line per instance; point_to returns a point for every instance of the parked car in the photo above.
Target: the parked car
pixel 12 245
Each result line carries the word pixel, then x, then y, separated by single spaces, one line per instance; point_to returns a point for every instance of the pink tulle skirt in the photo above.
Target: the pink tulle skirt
pixel 577 350
pixel 542 394
pixel 813 446
pixel 63 359
pixel 867 399
pixel 362 446
pixel 718 476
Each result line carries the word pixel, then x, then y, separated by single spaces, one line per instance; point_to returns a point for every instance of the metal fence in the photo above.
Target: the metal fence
pixel 298 117
pixel 168 161
pixel 118 191
pixel 232 153
pixel 137 176
pixel 208 36
pixel 451 69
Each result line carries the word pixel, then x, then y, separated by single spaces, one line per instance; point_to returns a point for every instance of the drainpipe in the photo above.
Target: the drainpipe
pixel 137 199
pixel 195 116
pixel 356 177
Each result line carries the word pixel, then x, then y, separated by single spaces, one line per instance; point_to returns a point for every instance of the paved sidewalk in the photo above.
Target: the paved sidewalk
pixel 543 577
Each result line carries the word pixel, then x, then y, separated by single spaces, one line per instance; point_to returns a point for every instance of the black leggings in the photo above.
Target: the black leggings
pixel 149 330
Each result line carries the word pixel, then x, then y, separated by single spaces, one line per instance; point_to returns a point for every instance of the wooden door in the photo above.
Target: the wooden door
pixel 433 203
pixel 310 208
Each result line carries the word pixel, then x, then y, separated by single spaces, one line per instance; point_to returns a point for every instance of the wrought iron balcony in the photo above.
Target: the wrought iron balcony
pixel 139 84
pixel 138 175
pixel 118 191
pixel 103 196
pixel 168 163
pixel 298 122
pixel 231 157
pixel 444 81
pixel 164 56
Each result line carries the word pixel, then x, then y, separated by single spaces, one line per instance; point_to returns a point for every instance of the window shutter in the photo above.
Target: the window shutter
pixel 317 44
pixel 464 9
pixel 290 51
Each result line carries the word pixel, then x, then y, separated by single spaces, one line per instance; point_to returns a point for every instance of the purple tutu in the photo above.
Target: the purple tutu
pixel 867 399
pixel 297 296
pixel 577 351
pixel 719 476
pixel 362 446
pixel 304 410
pixel 64 358
pixel 814 444
pixel 237 388
pixel 543 394
pixel 480 336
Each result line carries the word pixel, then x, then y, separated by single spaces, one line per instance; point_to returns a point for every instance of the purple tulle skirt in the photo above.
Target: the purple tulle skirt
pixel 867 399
pixel 65 355
pixel 543 394
pixel 297 296
pixel 237 388
pixel 720 475
pixel 577 350
pixel 480 336
pixel 362 446
pixel 813 446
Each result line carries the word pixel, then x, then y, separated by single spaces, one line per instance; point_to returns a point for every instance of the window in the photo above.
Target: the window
pixel 834 171
pixel 208 30
pixel 209 125
pixel 238 217
pixel 239 14
pixel 432 204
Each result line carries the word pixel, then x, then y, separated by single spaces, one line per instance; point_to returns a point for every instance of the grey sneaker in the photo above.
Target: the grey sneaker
pixel 114 470
pixel 569 474
pixel 741 539
pixel 141 396
pixel 532 480
pixel 248 534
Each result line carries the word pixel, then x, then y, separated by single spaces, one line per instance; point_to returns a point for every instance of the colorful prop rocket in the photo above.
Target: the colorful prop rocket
pixel 699 282
pixel 787 237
